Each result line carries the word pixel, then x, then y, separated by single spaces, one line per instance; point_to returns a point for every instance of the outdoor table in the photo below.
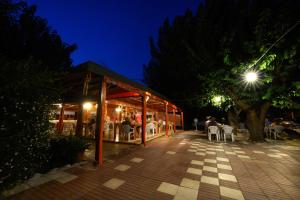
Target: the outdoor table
pixel 220 126
pixel 111 126
pixel 275 130
pixel 117 126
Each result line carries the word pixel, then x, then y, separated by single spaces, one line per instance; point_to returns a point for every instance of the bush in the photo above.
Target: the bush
pixel 65 150
pixel 32 54
pixel 26 98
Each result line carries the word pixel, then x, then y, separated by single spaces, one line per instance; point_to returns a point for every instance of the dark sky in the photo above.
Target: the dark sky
pixel 114 33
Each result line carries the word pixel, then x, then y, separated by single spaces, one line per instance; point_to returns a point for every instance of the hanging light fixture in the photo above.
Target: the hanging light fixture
pixel 87 105
pixel 118 109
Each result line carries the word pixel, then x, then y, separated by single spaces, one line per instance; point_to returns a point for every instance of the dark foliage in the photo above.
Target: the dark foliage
pixel 65 150
pixel 32 56
pixel 26 96
pixel 199 56
pixel 23 35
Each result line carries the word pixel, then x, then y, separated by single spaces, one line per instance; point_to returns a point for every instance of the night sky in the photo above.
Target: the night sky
pixel 114 33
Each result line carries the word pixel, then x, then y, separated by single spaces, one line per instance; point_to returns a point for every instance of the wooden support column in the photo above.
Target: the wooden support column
pixel 157 126
pixel 100 117
pixel 167 120
pixel 80 113
pixel 174 120
pixel 79 121
pixel 182 121
pixel 144 119
pixel 60 125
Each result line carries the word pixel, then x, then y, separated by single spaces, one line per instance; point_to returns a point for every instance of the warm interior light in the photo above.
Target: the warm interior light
pixel 118 109
pixel 58 104
pixel 87 106
pixel 147 98
pixel 251 77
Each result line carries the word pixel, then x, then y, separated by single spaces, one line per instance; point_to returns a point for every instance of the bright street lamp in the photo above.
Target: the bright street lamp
pixel 251 77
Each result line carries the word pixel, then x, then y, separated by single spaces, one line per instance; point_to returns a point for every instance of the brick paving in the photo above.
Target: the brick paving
pixel 185 167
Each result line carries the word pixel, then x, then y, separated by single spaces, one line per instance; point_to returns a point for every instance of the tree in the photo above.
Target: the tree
pixel 26 100
pixel 229 38
pixel 32 56
pixel 23 35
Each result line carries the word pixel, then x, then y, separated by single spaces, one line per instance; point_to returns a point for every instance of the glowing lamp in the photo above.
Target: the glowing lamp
pixel 217 99
pixel 87 106
pixel 147 98
pixel 118 109
pixel 251 77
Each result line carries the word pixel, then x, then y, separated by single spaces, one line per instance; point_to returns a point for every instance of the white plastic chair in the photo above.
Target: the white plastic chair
pixel 275 130
pixel 227 130
pixel 131 134
pixel 213 130
pixel 151 128
pixel 128 131
pixel 267 130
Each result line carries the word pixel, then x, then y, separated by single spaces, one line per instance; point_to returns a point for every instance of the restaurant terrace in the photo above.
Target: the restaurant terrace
pixel 106 106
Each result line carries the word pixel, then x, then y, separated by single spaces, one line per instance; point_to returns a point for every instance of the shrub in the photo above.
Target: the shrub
pixel 27 89
pixel 26 98
pixel 65 150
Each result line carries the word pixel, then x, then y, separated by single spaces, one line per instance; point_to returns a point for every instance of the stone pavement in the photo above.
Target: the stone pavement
pixel 184 167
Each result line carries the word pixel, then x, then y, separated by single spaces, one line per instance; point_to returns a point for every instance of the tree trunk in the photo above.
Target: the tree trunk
pixel 233 118
pixel 256 122
pixel 255 116
pixel 256 128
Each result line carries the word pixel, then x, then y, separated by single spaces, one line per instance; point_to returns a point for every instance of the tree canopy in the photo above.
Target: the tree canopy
pixel 203 57
pixel 32 56
pixel 23 35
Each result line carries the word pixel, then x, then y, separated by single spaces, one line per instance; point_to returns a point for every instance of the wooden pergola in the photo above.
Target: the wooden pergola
pixel 92 82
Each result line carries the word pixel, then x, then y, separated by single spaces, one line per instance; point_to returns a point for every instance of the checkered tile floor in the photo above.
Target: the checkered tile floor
pixel 186 168
pixel 188 188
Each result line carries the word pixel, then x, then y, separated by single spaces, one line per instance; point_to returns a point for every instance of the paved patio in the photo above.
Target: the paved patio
pixel 183 167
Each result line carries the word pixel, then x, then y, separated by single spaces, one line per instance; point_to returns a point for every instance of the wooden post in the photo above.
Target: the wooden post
pixel 79 121
pixel 167 120
pixel 80 114
pixel 144 119
pixel 60 125
pixel 157 126
pixel 174 120
pixel 182 121
pixel 100 117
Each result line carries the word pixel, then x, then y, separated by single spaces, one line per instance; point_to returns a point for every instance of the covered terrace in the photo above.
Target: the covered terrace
pixel 103 105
